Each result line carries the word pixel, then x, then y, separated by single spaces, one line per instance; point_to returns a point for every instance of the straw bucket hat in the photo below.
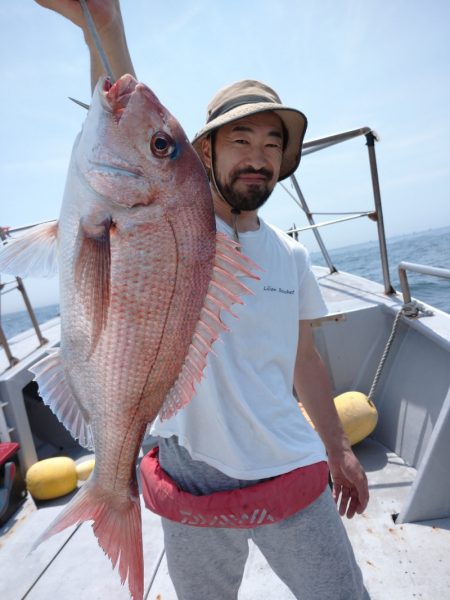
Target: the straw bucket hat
pixel 249 97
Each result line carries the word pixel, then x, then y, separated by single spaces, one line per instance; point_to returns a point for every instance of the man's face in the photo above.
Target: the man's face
pixel 247 159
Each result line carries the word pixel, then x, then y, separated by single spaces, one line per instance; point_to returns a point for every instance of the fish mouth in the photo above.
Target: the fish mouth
pixel 117 95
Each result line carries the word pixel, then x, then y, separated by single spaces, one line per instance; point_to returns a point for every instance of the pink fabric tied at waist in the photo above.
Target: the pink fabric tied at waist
pixel 259 504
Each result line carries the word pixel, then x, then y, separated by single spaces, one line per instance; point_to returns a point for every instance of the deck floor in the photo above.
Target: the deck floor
pixel 398 561
pixel 25 345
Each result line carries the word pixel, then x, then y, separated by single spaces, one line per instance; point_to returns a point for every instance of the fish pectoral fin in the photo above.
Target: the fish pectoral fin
pixel 58 396
pixel 93 272
pixel 224 290
pixel 33 253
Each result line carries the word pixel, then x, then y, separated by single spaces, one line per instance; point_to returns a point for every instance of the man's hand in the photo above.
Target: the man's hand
pixel 312 384
pixel 103 12
pixel 350 488
pixel 109 25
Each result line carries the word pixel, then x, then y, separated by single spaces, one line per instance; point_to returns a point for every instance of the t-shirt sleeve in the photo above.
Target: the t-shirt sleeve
pixel 311 302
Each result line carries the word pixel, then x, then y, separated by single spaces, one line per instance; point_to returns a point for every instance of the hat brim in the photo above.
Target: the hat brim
pixel 294 121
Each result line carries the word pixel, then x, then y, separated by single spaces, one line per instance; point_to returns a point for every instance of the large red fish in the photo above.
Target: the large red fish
pixel 143 279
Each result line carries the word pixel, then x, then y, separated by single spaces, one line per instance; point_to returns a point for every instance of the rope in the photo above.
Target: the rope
pixel 411 309
pixel 234 216
pixel 385 353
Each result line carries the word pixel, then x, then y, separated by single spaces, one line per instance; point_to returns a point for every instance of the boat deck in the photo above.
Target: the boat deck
pixel 25 345
pixel 398 561
pixel 346 293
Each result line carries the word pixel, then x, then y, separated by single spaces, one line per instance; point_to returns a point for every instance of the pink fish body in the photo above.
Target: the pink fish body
pixel 143 279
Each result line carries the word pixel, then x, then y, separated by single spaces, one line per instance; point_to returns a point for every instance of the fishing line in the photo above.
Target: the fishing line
pixel 97 42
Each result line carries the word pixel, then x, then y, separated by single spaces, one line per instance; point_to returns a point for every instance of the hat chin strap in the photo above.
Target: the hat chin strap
pixel 235 212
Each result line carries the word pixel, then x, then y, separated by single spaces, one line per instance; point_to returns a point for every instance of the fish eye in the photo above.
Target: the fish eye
pixel 162 144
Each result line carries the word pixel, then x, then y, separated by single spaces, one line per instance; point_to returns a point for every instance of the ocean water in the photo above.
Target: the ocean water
pixel 427 247
pixel 15 323
pixel 431 248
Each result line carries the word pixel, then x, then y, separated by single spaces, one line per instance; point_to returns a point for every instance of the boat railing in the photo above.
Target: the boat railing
pixel 6 287
pixel 376 215
pixel 404 266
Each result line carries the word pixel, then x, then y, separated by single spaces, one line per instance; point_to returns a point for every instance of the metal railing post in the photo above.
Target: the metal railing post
pixel 388 289
pixel 417 268
pixel 21 288
pixel 311 221
pixel 4 342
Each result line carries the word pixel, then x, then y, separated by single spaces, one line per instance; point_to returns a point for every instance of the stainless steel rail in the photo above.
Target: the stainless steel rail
pixel 417 268
pixel 4 232
pixel 17 284
pixel 312 224
pixel 331 140
pixel 377 215
pixel 371 139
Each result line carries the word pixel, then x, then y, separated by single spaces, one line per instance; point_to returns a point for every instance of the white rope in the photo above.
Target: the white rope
pixel 411 309
pixel 385 353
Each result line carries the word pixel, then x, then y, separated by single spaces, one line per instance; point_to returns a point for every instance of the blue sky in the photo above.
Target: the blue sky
pixel 344 63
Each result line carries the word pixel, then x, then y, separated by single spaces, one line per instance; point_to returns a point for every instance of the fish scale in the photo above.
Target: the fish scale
pixel 144 279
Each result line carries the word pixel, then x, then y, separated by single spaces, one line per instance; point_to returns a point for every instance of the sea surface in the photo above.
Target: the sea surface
pixel 426 247
pixel 431 248
pixel 15 323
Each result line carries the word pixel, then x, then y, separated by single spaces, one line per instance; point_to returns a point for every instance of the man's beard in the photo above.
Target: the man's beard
pixel 255 195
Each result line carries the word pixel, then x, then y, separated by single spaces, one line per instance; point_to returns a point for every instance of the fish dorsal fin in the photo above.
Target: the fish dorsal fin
pixel 224 290
pixel 56 394
pixel 33 253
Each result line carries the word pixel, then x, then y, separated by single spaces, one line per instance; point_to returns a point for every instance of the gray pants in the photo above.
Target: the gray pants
pixel 309 551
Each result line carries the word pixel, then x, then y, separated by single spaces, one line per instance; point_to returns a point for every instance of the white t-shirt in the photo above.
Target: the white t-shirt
pixel 244 419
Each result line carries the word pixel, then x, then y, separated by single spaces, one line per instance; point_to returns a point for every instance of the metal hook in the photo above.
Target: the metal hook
pixel 83 104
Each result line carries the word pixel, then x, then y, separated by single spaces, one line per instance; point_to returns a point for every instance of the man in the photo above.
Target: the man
pixel 240 462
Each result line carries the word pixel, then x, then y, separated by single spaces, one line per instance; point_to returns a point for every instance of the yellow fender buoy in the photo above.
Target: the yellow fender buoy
pixel 85 468
pixel 51 478
pixel 357 414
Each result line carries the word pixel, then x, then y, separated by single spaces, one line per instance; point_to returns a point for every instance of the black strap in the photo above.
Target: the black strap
pixel 241 100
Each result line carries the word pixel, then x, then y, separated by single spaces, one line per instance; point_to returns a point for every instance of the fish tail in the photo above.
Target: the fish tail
pixel 117 527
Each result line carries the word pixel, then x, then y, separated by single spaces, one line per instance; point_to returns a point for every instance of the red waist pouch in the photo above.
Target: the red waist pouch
pixel 263 503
